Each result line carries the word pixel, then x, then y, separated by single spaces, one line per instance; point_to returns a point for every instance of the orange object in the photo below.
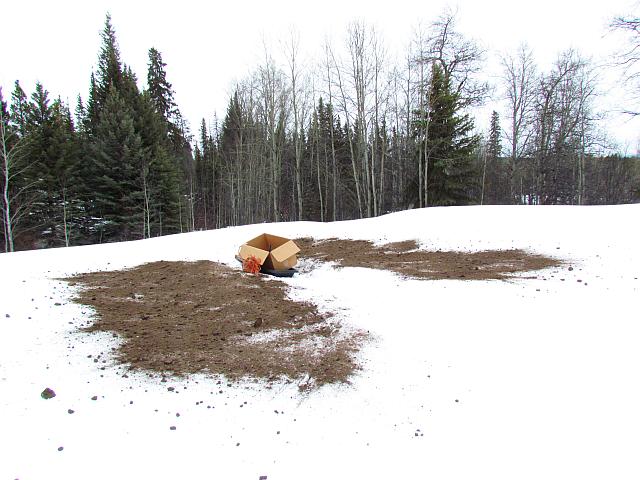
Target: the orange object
pixel 251 265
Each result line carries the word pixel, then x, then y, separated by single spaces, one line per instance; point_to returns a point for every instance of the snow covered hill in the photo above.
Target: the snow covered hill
pixel 528 378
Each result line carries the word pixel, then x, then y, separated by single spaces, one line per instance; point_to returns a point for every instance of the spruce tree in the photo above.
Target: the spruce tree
pixel 495 137
pixel 451 143
pixel 176 166
pixel 52 146
pixel 159 88
pixel 19 108
pixel 92 110
pixel 166 172
pixel 117 160
pixel 38 139
pixel 161 183
pixel 118 170
pixel 495 179
pixel 110 71
pixel 64 176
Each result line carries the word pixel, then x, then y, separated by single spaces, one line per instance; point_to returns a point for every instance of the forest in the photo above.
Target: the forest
pixel 352 134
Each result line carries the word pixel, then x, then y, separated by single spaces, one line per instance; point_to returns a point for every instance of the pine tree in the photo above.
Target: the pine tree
pixel 450 145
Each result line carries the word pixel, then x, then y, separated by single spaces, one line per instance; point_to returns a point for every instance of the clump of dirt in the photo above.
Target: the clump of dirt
pixel 405 258
pixel 188 317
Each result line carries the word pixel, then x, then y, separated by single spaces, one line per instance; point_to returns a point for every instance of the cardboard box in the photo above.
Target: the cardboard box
pixel 273 253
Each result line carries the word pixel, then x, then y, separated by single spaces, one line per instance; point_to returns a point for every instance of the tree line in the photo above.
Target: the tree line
pixel 351 134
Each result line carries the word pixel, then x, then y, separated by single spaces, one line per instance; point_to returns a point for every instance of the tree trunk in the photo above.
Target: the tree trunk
pixel 6 201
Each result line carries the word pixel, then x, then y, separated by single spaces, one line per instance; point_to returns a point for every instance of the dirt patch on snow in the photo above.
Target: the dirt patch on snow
pixel 188 317
pixel 405 258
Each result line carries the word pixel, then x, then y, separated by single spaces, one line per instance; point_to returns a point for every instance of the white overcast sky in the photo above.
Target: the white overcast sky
pixel 208 45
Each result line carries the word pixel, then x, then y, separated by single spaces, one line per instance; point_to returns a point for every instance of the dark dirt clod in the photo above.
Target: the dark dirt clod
pixel 47 393
pixel 197 322
pixel 404 259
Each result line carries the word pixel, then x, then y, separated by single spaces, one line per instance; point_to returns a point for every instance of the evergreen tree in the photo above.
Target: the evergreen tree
pixel 495 137
pixel 495 175
pixel 52 147
pixel 80 113
pixel 117 163
pixel 160 175
pixel 19 108
pixel 92 110
pixel 38 136
pixel 172 148
pixel 178 160
pixel 110 71
pixel 63 181
pixel 450 144
pixel 159 88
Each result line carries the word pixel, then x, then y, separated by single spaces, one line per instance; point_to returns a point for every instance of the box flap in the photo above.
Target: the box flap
pixel 259 242
pixel 284 251
pixel 274 241
pixel 246 251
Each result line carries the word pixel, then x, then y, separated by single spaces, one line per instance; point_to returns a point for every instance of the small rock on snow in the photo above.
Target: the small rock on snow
pixel 47 393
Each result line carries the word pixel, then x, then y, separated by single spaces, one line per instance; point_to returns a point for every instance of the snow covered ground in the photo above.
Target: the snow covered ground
pixel 527 379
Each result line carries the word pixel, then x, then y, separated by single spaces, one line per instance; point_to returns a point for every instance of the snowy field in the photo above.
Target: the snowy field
pixel 522 379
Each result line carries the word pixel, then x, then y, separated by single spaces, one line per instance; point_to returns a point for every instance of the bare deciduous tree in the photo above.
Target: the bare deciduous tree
pixel 564 128
pixel 16 200
pixel 461 60
pixel 628 58
pixel 299 107
pixel 519 75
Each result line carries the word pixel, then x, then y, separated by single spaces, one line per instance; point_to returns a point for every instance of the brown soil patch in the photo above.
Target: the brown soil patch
pixel 183 318
pixel 188 317
pixel 405 259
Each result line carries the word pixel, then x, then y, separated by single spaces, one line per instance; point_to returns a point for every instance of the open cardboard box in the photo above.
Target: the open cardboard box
pixel 273 252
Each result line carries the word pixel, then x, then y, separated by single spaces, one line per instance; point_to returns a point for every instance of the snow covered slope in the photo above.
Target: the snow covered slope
pixel 528 379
